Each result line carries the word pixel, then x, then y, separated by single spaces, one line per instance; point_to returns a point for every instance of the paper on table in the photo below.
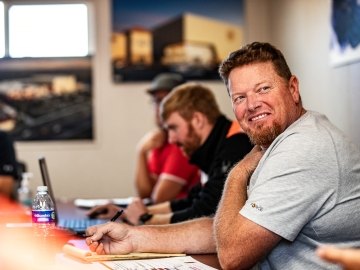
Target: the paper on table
pixel 89 203
pixel 90 256
pixel 178 263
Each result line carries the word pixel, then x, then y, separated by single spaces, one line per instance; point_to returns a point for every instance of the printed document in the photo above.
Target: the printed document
pixel 174 263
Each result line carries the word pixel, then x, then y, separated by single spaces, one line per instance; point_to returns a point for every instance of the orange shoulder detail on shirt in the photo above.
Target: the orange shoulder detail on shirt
pixel 235 128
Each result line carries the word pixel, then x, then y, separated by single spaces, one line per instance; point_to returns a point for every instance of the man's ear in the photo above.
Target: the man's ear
pixel 197 120
pixel 294 88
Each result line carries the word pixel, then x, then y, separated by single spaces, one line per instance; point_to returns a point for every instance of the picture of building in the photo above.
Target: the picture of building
pixel 189 43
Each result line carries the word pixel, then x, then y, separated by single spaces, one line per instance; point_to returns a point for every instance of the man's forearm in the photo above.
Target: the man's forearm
pixel 159 208
pixel 228 223
pixel 190 237
pixel 238 238
pixel 159 219
pixel 233 198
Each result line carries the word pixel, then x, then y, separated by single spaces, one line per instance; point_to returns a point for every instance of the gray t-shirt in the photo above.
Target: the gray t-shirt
pixel 306 188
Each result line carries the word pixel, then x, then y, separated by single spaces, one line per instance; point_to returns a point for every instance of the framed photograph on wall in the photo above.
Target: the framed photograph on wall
pixel 46 72
pixel 345 32
pixel 47 99
pixel 186 37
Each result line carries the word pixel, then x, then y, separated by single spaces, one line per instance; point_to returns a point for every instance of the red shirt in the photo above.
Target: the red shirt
pixel 170 162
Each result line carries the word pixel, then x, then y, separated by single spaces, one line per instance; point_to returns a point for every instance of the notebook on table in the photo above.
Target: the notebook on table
pixel 76 225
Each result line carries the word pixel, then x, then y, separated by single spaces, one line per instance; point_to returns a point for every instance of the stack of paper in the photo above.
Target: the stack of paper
pixel 90 256
pixel 139 261
pixel 175 263
pixel 89 203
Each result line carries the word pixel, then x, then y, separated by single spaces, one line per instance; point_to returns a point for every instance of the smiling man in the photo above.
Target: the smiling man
pixel 264 107
pixel 297 189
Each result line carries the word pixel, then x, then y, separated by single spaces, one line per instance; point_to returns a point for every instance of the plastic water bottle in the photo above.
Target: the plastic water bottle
pixel 24 192
pixel 43 214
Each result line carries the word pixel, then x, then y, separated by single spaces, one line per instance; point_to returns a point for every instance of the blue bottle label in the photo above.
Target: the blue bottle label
pixel 43 216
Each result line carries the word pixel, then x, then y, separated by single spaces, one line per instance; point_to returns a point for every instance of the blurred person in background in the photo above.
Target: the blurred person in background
pixel 214 143
pixel 162 172
pixel 8 166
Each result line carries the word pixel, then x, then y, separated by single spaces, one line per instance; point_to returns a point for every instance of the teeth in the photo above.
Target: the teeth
pixel 258 117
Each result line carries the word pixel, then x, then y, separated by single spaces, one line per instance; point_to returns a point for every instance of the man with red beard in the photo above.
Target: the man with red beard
pixel 212 142
pixel 299 187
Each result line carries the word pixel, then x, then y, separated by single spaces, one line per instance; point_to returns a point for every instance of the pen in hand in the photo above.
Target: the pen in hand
pixel 113 219
pixel 118 214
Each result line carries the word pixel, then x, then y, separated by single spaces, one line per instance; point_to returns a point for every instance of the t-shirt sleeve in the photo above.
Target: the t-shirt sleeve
pixel 174 165
pixel 292 183
pixel 177 164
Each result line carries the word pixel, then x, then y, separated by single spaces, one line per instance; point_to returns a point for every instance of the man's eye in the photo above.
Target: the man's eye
pixel 238 99
pixel 264 89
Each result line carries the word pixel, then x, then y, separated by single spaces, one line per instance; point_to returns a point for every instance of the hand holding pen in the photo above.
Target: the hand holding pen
pixel 118 214
pixel 110 237
pixel 113 219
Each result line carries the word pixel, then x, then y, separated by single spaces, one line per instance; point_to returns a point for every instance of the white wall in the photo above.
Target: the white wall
pixel 301 29
pixel 104 167
pixel 123 113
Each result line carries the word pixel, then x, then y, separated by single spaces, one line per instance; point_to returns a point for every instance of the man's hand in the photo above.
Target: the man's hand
pixel 106 211
pixel 134 210
pixel 151 140
pixel 109 238
pixel 349 259
pixel 249 162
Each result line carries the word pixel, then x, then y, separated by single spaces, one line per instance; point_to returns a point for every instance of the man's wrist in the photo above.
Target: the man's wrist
pixel 144 218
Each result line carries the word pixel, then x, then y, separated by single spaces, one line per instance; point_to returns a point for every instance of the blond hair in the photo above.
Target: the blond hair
pixel 189 98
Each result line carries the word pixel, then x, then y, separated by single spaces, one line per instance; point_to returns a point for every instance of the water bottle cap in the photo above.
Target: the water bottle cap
pixel 42 188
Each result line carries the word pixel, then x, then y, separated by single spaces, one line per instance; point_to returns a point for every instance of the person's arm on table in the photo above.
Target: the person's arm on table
pixel 105 211
pixel 241 243
pixel 159 219
pixel 160 213
pixel 191 237
pixel 348 258
pixel 133 211
pixel 160 208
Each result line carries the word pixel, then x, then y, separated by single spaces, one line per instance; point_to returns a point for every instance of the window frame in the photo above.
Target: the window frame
pixel 90 26
pixel 2 27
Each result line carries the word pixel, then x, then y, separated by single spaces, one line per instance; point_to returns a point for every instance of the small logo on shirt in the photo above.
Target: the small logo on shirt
pixel 256 206
pixel 225 166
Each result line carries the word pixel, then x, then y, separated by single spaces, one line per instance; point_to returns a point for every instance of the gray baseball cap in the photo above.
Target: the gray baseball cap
pixel 165 82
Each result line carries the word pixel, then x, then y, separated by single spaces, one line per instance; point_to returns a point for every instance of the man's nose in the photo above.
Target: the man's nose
pixel 172 137
pixel 252 102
